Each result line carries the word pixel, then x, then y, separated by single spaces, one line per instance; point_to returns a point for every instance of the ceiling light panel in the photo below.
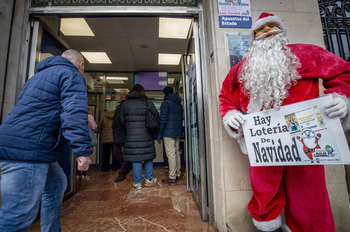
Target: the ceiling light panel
pixel 96 57
pixel 75 27
pixel 169 59
pixel 175 28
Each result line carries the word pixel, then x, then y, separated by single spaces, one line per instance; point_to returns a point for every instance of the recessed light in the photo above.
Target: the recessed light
pixel 75 27
pixel 169 59
pixel 97 57
pixel 175 28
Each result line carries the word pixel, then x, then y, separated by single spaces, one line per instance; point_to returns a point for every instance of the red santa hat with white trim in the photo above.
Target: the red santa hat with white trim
pixel 267 18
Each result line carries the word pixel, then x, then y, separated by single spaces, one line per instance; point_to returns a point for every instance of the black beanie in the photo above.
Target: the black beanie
pixel 168 90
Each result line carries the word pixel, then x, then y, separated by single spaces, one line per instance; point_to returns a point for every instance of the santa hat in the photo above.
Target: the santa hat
pixel 267 18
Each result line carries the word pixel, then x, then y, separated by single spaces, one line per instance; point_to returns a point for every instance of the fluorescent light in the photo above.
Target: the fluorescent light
pixel 174 28
pixel 97 57
pixel 116 78
pixel 171 80
pixel 169 59
pixel 75 27
pixel 115 82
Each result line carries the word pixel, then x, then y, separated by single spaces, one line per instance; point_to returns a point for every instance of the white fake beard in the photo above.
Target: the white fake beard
pixel 268 73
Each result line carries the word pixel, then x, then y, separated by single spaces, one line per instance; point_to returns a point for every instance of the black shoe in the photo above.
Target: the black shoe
pixel 276 230
pixel 169 181
pixel 178 178
pixel 119 179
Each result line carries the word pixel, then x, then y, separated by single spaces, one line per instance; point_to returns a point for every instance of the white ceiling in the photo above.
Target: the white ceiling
pixel 131 43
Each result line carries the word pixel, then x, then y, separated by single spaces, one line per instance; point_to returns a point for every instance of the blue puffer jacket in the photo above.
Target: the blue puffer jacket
pixel 171 116
pixel 52 104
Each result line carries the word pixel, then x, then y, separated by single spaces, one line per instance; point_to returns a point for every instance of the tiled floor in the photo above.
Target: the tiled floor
pixel 102 205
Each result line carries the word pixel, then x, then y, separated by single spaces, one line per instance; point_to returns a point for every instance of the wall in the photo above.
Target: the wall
pixel 231 183
pixel 13 24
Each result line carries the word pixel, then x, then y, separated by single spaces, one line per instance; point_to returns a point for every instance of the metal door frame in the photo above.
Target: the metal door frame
pixel 196 13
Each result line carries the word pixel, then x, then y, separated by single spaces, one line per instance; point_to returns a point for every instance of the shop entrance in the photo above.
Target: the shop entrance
pixel 134 50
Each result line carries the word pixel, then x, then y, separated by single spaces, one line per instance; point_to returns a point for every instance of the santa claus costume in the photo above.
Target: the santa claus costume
pixel 290 75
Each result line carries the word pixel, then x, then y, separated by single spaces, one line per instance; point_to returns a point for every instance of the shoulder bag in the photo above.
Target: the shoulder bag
pixel 152 121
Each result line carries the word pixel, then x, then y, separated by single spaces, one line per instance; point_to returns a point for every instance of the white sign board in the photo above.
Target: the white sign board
pixel 297 134
pixel 234 13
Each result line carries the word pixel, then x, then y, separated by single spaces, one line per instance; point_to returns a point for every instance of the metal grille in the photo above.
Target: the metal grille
pixel 335 17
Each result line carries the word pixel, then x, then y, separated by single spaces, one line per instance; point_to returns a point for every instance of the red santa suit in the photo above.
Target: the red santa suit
pixel 298 190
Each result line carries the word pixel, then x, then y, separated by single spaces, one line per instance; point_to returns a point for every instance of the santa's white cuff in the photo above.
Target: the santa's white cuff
pixel 268 225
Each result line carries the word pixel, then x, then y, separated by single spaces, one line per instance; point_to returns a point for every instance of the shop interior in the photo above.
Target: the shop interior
pixel 121 51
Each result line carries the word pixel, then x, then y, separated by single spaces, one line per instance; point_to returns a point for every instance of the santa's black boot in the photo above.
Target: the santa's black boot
pixel 276 230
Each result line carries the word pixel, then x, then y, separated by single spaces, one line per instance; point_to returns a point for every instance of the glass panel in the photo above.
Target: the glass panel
pixel 192 125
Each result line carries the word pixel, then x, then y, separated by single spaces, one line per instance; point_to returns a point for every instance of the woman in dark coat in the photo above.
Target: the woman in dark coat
pixel 139 142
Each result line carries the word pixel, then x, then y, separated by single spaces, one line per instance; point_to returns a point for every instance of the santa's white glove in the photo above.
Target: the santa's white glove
pixel 236 120
pixel 337 107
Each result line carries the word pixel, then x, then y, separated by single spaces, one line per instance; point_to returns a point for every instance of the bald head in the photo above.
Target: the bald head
pixel 76 58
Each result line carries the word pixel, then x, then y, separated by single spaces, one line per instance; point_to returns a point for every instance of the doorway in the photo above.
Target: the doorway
pixel 133 47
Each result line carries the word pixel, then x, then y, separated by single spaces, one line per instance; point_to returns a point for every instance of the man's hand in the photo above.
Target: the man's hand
pixel 83 163
pixel 159 139
pixel 337 107
pixel 236 120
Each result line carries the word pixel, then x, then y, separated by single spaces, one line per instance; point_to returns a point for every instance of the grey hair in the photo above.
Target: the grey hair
pixel 124 90
pixel 73 56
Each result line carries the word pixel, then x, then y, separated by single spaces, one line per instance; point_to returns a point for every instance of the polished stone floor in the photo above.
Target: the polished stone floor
pixel 102 205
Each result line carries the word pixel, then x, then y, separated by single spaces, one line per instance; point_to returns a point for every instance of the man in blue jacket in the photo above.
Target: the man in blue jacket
pixel 171 130
pixel 51 107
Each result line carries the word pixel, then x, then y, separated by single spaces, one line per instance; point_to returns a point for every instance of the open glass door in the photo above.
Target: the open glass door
pixel 194 124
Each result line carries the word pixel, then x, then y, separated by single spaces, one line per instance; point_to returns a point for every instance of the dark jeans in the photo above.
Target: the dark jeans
pixel 118 153
pixel 107 148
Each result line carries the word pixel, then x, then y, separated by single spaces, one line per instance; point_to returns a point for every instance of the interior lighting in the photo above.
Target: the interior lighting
pixel 115 78
pixel 75 27
pixel 175 28
pixel 97 57
pixel 115 82
pixel 171 81
pixel 169 59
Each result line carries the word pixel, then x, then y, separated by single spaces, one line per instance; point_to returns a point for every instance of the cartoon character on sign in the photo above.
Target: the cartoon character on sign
pixel 310 142
pixel 329 150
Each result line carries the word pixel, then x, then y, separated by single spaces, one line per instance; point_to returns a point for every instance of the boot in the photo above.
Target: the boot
pixel 169 181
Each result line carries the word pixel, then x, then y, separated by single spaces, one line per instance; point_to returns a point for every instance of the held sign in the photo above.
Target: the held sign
pixel 297 134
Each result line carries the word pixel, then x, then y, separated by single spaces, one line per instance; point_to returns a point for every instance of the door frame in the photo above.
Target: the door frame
pixel 206 208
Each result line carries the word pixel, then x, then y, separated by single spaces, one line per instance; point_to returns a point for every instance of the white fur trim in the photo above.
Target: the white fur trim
pixel 346 120
pixel 268 225
pixel 265 20
pixel 232 133
pixel 286 228
pixel 242 145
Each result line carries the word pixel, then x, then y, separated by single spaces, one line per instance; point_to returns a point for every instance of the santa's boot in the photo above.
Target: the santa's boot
pixel 276 230
pixel 274 225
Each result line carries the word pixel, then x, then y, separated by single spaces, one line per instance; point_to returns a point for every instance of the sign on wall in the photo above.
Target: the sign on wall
pixel 235 13
pixel 238 44
pixel 297 134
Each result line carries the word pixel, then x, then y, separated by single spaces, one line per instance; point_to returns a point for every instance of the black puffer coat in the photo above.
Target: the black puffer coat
pixel 118 129
pixel 139 142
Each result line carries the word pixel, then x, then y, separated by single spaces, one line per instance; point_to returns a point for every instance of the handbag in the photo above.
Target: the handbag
pixel 152 121
pixel 93 137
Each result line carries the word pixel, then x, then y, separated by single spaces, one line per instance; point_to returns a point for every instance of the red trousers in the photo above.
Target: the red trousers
pixel 299 190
